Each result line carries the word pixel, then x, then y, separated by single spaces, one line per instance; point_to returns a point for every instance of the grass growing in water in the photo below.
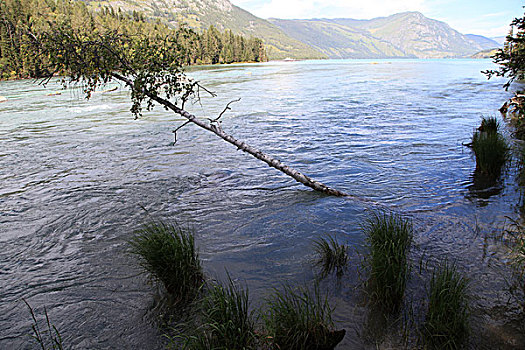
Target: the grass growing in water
pixel 300 319
pixel 331 255
pixel 168 253
pixel 490 148
pixel 388 238
pixel 49 339
pixel 446 323
pixel 517 261
pixel 489 125
pixel 227 320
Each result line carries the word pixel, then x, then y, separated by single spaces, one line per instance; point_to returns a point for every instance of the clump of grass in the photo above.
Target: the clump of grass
pixel 518 251
pixel 517 261
pixel 47 339
pixel 227 322
pixel 331 256
pixel 489 125
pixel 300 319
pixel 168 253
pixel 446 322
pixel 389 238
pixel 519 255
pixel 491 152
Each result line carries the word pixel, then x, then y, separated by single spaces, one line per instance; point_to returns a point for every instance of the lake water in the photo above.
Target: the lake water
pixel 75 174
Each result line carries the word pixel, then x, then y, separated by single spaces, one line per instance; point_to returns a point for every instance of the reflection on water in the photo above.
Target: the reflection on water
pixel 75 175
pixel 484 187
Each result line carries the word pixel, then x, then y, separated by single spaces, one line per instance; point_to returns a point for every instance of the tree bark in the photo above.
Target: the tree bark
pixel 217 130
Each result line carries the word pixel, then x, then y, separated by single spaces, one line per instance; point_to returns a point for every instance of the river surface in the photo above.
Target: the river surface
pixel 76 176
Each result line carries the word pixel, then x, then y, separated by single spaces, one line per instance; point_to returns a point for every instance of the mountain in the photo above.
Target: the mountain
pixel 485 42
pixel 500 39
pixel 338 41
pixel 200 14
pixel 407 34
pixel 485 53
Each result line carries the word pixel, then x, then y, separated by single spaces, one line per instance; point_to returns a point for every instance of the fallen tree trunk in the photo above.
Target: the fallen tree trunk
pixel 217 130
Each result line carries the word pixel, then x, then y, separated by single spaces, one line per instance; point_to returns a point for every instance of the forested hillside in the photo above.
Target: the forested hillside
pixel 20 17
pixel 200 14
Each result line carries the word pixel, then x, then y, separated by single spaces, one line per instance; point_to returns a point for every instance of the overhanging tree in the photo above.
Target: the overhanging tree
pixel 150 67
pixel 511 58
pixel 511 61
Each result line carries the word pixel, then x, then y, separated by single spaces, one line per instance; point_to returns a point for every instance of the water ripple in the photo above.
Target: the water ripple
pixel 77 174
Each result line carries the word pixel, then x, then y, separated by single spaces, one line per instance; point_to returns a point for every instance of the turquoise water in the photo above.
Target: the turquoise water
pixel 76 173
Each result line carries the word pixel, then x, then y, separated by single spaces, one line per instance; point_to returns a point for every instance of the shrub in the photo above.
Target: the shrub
pixel 331 255
pixel 388 238
pixel 446 322
pixel 168 253
pixel 301 320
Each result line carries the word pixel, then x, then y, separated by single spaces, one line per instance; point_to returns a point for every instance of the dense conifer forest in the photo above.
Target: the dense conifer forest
pixel 20 18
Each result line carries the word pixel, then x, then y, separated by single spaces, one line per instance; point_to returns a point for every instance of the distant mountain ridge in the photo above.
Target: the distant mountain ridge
pixel 200 14
pixel 489 43
pixel 407 34
pixel 500 39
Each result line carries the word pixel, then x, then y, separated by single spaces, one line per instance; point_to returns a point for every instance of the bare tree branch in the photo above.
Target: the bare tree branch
pixel 227 108
pixel 212 94
pixel 180 127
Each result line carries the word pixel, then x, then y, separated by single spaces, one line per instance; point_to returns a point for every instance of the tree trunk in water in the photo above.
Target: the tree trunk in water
pixel 217 130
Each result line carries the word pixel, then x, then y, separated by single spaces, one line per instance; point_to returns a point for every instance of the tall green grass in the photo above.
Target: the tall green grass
pixel 446 323
pixel 300 319
pixel 491 151
pixel 168 253
pixel 388 238
pixel 331 256
pixel 517 260
pixel 519 256
pixel 227 322
pixel 489 125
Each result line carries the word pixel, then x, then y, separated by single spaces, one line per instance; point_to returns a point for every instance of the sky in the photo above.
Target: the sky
pixel 490 18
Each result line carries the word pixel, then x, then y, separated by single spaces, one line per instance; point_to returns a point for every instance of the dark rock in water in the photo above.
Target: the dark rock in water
pixel 503 110
pixel 334 338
